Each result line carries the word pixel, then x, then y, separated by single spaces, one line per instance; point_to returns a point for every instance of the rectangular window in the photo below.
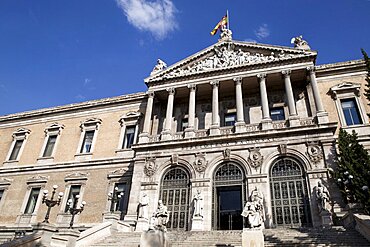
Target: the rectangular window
pixel 351 112
pixel 87 142
pixel 32 200
pixel 119 196
pixel 230 119
pixel 50 146
pixel 277 114
pixel 129 137
pixel 73 192
pixel 16 149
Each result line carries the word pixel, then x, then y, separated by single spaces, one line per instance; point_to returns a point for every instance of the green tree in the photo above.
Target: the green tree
pixel 353 173
pixel 367 62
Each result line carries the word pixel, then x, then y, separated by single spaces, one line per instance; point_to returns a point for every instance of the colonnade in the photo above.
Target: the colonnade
pixel 240 121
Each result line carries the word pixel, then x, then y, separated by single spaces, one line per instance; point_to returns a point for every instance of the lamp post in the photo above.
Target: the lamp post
pixel 51 202
pixel 73 208
pixel 114 197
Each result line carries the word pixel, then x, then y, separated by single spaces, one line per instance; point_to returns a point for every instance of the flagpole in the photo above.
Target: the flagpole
pixel 228 19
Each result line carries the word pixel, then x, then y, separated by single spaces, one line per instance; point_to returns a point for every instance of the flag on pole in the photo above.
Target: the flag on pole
pixel 221 24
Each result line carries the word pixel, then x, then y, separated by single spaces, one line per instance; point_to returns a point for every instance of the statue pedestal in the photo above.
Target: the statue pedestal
pixel 142 225
pixel 154 238
pixel 197 224
pixel 252 237
pixel 326 219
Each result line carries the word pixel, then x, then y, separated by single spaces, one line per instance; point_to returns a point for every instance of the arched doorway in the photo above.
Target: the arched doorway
pixel 175 195
pixel 228 197
pixel 289 194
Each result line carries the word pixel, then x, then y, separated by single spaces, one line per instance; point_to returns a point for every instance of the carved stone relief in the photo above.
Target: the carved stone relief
pixel 200 163
pixel 314 152
pixel 282 148
pixel 150 167
pixel 255 157
pixel 175 159
pixel 227 153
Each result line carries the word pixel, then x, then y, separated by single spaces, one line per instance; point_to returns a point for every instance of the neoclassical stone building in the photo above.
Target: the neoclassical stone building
pixel 231 118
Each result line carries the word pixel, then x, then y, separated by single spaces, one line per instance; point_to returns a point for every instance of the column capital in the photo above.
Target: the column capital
pixel 238 80
pixel 150 94
pixel 171 90
pixel 192 87
pixel 215 83
pixel 286 72
pixel 261 76
pixel 311 69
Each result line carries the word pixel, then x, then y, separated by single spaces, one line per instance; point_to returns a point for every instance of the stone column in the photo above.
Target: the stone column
pixel 166 133
pixel 322 116
pixel 293 117
pixel 266 120
pixel 190 130
pixel 240 122
pixel 144 137
pixel 215 127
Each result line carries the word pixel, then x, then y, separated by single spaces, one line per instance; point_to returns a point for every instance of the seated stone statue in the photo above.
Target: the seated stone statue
pixel 161 214
pixel 253 210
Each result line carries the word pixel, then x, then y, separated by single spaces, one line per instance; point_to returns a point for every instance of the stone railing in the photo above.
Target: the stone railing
pixel 227 130
pixel 306 121
pixel 252 127
pixel 154 138
pixel 201 133
pixel 178 136
pixel 279 124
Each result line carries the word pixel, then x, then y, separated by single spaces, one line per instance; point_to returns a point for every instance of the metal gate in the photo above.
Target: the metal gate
pixel 175 195
pixel 290 202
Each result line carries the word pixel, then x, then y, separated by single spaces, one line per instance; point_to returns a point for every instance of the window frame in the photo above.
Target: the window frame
pixel 355 107
pixel 30 198
pixel 129 119
pixel 345 91
pixel 20 134
pixel 282 108
pixel 53 129
pixel 227 114
pixel 91 124
pixel 4 186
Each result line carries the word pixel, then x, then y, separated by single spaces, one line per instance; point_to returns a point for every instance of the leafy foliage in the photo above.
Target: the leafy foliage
pixel 353 173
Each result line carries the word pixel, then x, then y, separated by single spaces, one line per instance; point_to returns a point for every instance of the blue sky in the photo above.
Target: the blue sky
pixel 60 52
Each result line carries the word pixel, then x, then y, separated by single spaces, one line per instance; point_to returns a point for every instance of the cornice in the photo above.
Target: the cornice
pixel 75 106
pixel 341 68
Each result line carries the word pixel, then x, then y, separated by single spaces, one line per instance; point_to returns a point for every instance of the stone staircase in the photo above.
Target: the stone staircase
pixel 335 236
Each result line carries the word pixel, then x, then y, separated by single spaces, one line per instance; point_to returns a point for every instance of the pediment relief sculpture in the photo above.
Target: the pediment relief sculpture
pixel 225 55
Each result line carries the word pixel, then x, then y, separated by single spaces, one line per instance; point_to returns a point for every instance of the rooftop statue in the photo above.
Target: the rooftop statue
pixel 226 35
pixel 300 43
pixel 158 67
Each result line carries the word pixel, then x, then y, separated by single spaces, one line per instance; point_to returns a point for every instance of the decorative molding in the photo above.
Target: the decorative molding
pixel 37 179
pixel 76 176
pixel 200 163
pixel 117 173
pixel 130 116
pixel 90 122
pixel 175 159
pixel 150 167
pixel 21 132
pixel 345 87
pixel 5 181
pixel 54 128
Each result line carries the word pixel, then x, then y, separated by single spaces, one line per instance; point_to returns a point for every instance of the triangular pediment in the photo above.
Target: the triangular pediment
pixel 226 56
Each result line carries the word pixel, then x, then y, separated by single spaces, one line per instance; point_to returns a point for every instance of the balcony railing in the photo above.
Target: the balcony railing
pixel 230 130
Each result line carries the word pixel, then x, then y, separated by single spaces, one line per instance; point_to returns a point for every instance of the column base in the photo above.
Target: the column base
pixel 143 138
pixel 322 117
pixel 294 121
pixel 197 224
pixel 189 132
pixel 214 130
pixel 266 124
pixel 240 127
pixel 166 135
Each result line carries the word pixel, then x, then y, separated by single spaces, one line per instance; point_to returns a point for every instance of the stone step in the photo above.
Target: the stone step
pixel 306 237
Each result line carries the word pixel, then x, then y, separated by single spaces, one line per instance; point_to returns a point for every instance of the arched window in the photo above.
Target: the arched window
pixel 289 194
pixel 175 195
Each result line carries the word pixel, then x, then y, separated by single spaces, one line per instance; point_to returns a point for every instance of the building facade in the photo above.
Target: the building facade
pixel 231 118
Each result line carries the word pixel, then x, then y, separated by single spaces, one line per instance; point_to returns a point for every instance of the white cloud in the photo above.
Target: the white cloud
pixel 80 97
pixel 250 40
pixel 86 81
pixel 262 32
pixel 157 17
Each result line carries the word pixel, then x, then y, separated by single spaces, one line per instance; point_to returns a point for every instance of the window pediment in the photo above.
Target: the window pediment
pixel 5 181
pixel 90 123
pixel 54 128
pixel 345 87
pixel 37 179
pixel 21 133
pixel 76 176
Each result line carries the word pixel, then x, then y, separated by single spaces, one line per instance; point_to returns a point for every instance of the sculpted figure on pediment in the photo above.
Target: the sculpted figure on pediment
pixel 300 43
pixel 158 67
